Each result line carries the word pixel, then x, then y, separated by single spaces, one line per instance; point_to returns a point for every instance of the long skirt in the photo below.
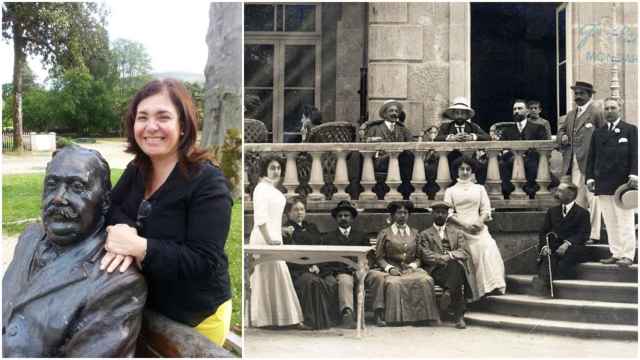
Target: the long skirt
pixel 489 267
pixel 410 297
pixel 273 298
pixel 319 299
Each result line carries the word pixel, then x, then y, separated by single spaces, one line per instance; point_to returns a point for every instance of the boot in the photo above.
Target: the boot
pixel 380 318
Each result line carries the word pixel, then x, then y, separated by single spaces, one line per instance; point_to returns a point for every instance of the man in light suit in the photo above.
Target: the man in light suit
pixel 56 302
pixel 612 162
pixel 574 138
pixel 445 256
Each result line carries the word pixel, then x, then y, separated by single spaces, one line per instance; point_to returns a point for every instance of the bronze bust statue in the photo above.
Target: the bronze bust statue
pixel 56 301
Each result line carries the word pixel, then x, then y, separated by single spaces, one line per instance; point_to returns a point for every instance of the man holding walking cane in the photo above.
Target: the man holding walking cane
pixel 561 246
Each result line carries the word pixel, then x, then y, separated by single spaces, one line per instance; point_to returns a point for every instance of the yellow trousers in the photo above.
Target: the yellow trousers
pixel 216 327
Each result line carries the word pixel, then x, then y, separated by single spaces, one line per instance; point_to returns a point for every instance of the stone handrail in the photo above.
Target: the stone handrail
pixel 321 201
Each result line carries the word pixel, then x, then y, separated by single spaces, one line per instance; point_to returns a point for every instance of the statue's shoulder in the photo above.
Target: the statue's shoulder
pixel 32 234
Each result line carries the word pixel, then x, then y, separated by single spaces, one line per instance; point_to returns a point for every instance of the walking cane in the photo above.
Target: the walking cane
pixel 549 261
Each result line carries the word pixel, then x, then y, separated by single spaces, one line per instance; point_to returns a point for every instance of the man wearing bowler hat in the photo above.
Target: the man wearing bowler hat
pixel 446 257
pixel 574 138
pixel 390 129
pixel 613 162
pixel 345 235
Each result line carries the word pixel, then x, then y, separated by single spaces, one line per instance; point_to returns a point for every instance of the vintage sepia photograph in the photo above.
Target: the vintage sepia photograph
pixel 121 179
pixel 440 179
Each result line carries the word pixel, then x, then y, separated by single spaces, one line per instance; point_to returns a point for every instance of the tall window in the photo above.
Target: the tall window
pixel 561 59
pixel 282 63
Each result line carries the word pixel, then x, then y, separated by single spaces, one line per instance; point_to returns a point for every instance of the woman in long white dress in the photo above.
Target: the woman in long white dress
pixel 273 298
pixel 472 210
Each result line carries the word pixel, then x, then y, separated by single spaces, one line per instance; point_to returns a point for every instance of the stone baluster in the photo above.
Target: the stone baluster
pixel 518 176
pixel 544 175
pixel 368 176
pixel 443 177
pixel 341 179
pixel 493 183
pixel 245 188
pixel 418 179
pixel 393 177
pixel 291 181
pixel 316 180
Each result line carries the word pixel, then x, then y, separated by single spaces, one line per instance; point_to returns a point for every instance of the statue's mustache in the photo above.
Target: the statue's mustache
pixel 62 211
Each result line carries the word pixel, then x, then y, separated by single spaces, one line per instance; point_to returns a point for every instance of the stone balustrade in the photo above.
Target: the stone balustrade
pixel 343 167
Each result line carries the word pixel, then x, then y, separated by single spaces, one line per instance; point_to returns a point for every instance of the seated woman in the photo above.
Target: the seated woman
pixel 164 208
pixel 402 290
pixel 316 287
pixel 472 210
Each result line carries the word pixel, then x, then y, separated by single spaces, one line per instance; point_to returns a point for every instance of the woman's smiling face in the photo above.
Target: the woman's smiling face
pixel 157 126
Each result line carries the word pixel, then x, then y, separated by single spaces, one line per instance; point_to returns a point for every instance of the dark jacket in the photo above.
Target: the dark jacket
pixel 430 244
pixel 185 266
pixel 575 227
pixel 380 130
pixel 469 128
pixel 531 131
pixel 69 308
pixel 336 238
pixel 612 157
pixel 307 234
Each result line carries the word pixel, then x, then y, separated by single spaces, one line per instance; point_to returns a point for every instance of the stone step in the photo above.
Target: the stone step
pixel 601 251
pixel 579 289
pixel 541 326
pixel 600 312
pixel 600 272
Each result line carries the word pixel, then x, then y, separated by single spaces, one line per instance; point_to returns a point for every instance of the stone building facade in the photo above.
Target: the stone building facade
pixel 425 54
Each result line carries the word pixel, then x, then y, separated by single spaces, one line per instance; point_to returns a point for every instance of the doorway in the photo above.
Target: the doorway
pixel 513 52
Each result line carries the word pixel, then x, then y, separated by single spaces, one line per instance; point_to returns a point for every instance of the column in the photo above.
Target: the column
pixel 291 181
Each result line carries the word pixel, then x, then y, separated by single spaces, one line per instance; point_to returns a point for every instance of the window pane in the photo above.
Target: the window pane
pixel 258 65
pixel 300 18
pixel 300 65
pixel 294 101
pixel 279 23
pixel 264 111
pixel 562 33
pixel 258 17
pixel 562 89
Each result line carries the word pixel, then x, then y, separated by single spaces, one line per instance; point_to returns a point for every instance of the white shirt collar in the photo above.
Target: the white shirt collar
pixel 586 105
pixel 390 125
pixel 395 228
pixel 615 123
pixel 569 206
pixel 523 123
pixel 343 230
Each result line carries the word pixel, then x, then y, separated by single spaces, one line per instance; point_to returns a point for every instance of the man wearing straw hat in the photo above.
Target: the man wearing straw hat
pixel 613 162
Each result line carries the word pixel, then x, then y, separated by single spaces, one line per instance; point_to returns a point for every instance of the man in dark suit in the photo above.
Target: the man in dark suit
pixel 460 129
pixel 574 138
pixel 56 301
pixel 446 257
pixel 390 129
pixel 521 129
pixel 345 235
pixel 567 226
pixel 612 162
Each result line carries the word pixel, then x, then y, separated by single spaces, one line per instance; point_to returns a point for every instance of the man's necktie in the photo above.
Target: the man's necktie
pixel 579 112
pixel 460 129
pixel 564 210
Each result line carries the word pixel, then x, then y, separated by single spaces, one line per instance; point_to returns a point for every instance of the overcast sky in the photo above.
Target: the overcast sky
pixel 174 34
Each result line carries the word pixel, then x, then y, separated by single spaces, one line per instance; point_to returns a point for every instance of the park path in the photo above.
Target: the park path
pixel 35 162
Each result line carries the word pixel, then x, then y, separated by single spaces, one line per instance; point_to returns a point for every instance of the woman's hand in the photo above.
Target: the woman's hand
pixel 394 272
pixel 123 239
pixel 287 231
pixel 110 261
pixel 475 227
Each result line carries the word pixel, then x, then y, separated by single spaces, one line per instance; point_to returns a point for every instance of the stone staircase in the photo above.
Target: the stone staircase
pixel 602 302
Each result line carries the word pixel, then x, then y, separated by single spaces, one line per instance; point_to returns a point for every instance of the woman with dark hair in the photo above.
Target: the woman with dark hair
pixel 315 285
pixel 472 210
pixel 403 291
pixel 273 297
pixel 163 209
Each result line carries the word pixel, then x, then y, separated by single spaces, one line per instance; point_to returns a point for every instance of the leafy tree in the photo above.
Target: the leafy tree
pixel 65 35
pixel 197 93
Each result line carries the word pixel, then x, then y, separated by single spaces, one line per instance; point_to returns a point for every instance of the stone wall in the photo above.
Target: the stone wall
pixel 593 34
pixel 350 52
pixel 418 54
pixel 223 72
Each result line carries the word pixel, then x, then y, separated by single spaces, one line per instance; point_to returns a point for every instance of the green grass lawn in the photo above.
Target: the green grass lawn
pixel 21 200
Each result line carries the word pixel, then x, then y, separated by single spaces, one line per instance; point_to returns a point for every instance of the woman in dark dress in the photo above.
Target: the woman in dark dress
pixel 316 286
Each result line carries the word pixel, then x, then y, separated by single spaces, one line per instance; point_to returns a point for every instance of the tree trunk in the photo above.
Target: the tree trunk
pixel 18 68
